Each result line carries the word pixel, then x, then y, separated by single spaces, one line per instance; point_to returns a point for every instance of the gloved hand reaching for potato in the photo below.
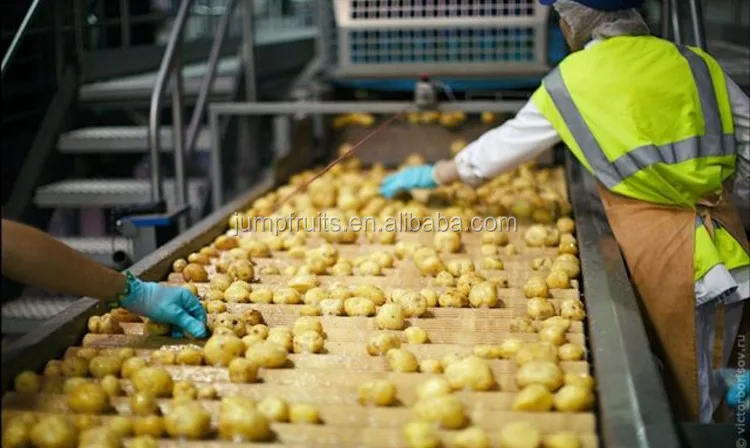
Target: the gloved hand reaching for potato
pixel 408 179
pixel 166 304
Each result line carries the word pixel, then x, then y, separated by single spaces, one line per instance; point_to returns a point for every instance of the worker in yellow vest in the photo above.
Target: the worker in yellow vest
pixel 667 135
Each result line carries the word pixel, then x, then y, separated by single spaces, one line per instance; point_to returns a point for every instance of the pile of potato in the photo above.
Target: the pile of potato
pixel 292 269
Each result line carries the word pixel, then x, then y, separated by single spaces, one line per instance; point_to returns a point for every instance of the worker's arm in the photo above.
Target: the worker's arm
pixel 516 141
pixel 34 258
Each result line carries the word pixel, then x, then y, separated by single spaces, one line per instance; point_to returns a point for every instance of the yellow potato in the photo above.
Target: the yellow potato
pixel 221 349
pixel 304 324
pixel 562 439
pixel 421 434
pixel 53 431
pixel 275 409
pixel 148 426
pixel 430 366
pixel 519 435
pixel 111 386
pixel 539 308
pixel 557 321
pixel 242 370
pixel 75 366
pixel 435 386
pixel 184 390
pixel 483 295
pixel 470 373
pixel 188 420
pixel 445 278
pixel 572 398
pixel 267 354
pixel 359 306
pixel 453 299
pixel 390 316
pixel 27 382
pixel 239 421
pixel 473 437
pixel 261 295
pixel 536 351
pixel 415 335
pixel 88 398
pixel 308 342
pixel 143 403
pixel 573 309
pixel 381 342
pixel 162 358
pixel 536 286
pixel 558 280
pixel 287 296
pixel 303 413
pixel 509 347
pixel 522 324
pixel 545 373
pixel 445 410
pixel 533 398
pixel 553 334
pixel 401 360
pixel 487 351
pixel 431 296
pixel 377 393
pixel 189 356
pixel 132 365
pixel 448 242
pixel 303 283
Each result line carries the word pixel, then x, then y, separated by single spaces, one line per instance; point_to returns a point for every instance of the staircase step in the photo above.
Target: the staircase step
pixel 121 140
pixel 96 193
pixel 100 249
pixel 140 89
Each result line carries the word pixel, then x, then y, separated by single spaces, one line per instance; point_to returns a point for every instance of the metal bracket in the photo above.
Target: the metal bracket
pixel 149 231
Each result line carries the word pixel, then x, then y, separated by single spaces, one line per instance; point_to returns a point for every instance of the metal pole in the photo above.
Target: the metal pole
pixel 676 26
pixel 375 107
pixel 699 29
pixel 208 77
pixel 248 51
pixel 217 184
pixel 78 27
pixel 58 36
pixel 19 36
pixel 664 16
pixel 178 134
pixel 125 23
pixel 321 19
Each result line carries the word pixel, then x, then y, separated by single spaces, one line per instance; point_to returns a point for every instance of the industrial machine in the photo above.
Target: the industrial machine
pixel 376 45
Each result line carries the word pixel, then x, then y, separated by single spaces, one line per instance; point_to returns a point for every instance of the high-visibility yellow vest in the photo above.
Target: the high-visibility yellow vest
pixel 652 121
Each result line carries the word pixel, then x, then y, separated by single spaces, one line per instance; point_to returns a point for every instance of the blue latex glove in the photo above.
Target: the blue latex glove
pixel 408 179
pixel 739 391
pixel 167 304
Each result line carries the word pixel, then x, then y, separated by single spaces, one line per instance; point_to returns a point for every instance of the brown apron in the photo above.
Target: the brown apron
pixel 657 242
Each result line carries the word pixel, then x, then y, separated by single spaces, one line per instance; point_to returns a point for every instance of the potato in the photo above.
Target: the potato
pixel 269 270
pixel 206 392
pixel 572 309
pixel 390 316
pixel 562 439
pixel 53 431
pixel 16 433
pixel 533 398
pixel 430 366
pixel 460 267
pixel 53 368
pixel 535 236
pixel 251 339
pixel 186 390
pixel 445 278
pixel 188 420
pixel 435 386
pixel 370 292
pixel 130 366
pixel 143 403
pixel 237 293
pixel 382 259
pixel 401 360
pixel 470 373
pixel 216 306
pixel 72 383
pixel 232 321
pixel 483 295
pixel 566 225
pixel 453 299
pixel 545 373
pixel 189 356
pixel 303 413
pixel 359 306
pixel 377 393
pixel 342 269
pixel 467 281
pixel 308 342
pixel 261 295
pixel 519 435
pixel 156 380
pixel 580 379
pixel 553 334
pixel 105 324
pixel 431 296
pixel 536 287
pixel 148 426
pixel 415 335
pixel 55 384
pixel 162 358
pixel 27 382
pixel 421 434
pixel 558 280
pixel 509 347
pixel 568 247
pixel 111 386
pixel 539 308
pixel 413 304
pixel 220 282
pixel 221 349
pixel 157 328
pixel 492 263
pixel 536 351
pixel 287 296
pixel 242 370
pixel 448 242
pixel 101 437
pixel 120 425
pixel 573 398
pixel 88 398
pixel 283 340
pixel 541 263
pixel 241 270
pixel 303 283
pixel 75 366
pixel 274 409
pixel 569 267
pixel 83 422
pixel 473 437
pixel 239 421
pixel 488 249
pixel 557 321
pixel 304 324
pixel 522 324
pixel 267 354
pixel 381 342
pixel 194 272
pixel 179 265
pixel 511 250
pixel 369 268
pixel 213 295
pixel 201 259
pixel 314 296
pixel 570 352
pixel 486 351
pixel 445 410
pixel 224 242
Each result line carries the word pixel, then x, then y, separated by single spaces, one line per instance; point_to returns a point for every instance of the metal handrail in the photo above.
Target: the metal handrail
pixel 183 143
pixel 19 36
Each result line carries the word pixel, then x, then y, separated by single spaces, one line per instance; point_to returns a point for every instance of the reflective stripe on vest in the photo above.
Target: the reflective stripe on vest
pixel 611 173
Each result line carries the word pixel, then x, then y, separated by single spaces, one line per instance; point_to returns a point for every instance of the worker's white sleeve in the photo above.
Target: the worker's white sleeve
pixel 501 149
pixel 740 104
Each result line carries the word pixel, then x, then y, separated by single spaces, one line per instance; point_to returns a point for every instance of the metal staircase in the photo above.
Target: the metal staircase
pixel 138 101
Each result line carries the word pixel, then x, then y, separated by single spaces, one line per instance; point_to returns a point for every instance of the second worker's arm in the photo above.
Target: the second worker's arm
pixel 32 257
